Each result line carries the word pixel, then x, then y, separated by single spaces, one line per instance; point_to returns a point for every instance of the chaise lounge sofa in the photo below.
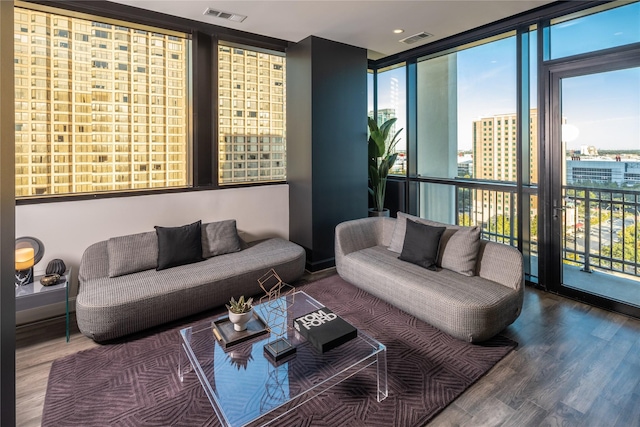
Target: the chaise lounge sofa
pixel 476 291
pixel 123 288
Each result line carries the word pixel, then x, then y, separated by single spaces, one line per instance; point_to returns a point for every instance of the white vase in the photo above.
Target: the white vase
pixel 240 320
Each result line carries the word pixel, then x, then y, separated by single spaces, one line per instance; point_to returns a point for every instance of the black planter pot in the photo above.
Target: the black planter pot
pixel 375 213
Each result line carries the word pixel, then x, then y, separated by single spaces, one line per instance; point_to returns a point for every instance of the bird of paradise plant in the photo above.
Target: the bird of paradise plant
pixel 382 156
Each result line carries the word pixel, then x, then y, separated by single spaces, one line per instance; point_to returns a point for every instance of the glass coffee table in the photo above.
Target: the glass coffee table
pixel 246 388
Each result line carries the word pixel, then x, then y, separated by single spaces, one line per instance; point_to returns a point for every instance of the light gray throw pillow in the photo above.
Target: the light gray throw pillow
pixel 459 246
pixel 219 238
pixel 132 253
pixel 397 238
pixel 459 249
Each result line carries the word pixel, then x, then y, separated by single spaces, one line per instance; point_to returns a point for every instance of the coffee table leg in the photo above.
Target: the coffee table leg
pixel 184 365
pixel 383 391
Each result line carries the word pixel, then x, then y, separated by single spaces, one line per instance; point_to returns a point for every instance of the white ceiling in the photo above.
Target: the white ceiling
pixel 363 23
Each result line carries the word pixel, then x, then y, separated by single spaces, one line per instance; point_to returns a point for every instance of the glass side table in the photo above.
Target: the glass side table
pixel 35 295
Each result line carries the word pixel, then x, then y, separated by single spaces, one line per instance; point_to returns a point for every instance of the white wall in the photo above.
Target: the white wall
pixel 67 228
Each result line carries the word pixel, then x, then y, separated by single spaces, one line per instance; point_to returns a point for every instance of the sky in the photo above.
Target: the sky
pixel 605 108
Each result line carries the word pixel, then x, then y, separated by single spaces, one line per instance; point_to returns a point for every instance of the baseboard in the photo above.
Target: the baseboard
pixel 316 266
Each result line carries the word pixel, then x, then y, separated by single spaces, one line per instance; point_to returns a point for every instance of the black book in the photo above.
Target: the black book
pixel 324 329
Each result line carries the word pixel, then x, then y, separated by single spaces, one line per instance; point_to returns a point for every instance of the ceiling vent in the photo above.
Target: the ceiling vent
pixel 415 38
pixel 225 15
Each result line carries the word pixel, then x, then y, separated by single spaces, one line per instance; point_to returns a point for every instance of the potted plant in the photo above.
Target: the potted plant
pixel 240 312
pixel 381 160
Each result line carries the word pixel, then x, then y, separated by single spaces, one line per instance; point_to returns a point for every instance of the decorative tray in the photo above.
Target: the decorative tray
pixel 227 336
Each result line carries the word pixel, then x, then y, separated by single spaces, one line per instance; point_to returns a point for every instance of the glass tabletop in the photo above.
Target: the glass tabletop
pixel 245 387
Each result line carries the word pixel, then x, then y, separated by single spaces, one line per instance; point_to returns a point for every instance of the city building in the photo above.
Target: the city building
pixel 251 115
pixel 495 158
pixel 385 114
pixel 602 171
pixel 108 113
pixel 494 147
pixel 465 165
pixel 588 150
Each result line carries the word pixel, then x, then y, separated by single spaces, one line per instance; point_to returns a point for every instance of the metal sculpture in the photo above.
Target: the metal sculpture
pixel 278 297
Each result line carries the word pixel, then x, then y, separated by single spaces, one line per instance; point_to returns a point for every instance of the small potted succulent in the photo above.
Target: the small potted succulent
pixel 240 312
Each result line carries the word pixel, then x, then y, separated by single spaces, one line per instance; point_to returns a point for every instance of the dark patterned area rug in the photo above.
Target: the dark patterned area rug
pixel 135 383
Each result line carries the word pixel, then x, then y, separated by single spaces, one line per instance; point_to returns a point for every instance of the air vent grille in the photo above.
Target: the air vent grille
pixel 225 15
pixel 415 38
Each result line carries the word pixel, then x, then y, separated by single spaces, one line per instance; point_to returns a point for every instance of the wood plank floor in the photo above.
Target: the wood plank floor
pixel 575 365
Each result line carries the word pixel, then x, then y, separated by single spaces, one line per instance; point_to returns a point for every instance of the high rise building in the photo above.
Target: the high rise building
pixel 99 107
pixel 252 105
pixel 495 158
pixel 385 114
pixel 495 150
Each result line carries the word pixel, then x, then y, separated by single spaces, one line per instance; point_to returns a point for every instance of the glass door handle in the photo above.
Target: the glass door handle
pixel 556 210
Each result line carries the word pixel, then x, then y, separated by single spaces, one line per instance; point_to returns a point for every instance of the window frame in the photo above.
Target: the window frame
pixel 231 184
pixel 524 25
pixel 203 162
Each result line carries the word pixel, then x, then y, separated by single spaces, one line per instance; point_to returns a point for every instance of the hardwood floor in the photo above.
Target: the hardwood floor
pixel 575 365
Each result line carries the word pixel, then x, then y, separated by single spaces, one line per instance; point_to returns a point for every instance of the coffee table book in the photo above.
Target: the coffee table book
pixel 324 329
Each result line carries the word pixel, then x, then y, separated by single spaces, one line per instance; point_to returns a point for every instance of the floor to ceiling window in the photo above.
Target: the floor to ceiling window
pixel 593 107
pixel 468 132
pixel 607 26
pixel 391 96
pixel 491 144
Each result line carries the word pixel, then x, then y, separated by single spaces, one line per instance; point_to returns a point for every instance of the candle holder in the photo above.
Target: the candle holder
pixel 28 252
pixel 24 277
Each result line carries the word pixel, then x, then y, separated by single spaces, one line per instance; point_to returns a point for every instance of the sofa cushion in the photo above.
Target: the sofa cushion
pixel 219 238
pixel 421 244
pixel 179 245
pixel 397 238
pixel 458 247
pixel 132 253
pixel 459 250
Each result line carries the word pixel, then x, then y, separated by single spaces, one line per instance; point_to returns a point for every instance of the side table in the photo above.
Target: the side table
pixel 35 295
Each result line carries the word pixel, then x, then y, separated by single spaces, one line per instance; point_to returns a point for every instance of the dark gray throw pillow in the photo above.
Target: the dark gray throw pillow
pixel 179 245
pixel 421 243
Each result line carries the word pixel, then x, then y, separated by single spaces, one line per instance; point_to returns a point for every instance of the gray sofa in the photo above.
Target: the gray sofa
pixel 111 307
pixel 470 304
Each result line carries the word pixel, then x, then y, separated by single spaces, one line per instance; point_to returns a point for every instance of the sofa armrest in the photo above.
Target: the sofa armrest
pixel 94 263
pixel 357 234
pixel 502 264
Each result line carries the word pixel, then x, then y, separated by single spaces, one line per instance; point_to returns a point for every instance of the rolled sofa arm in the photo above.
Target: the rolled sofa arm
pixel 95 262
pixel 357 234
pixel 502 264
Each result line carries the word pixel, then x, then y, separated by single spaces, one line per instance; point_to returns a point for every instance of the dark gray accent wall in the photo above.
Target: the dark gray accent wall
pixel 326 143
